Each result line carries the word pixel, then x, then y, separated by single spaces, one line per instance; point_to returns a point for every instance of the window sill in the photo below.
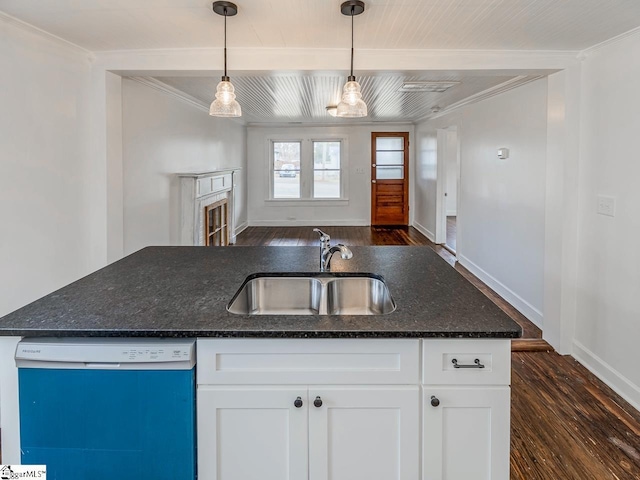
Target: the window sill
pixel 307 202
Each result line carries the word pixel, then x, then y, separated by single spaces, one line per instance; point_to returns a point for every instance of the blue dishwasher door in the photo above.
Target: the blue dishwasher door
pixel 106 424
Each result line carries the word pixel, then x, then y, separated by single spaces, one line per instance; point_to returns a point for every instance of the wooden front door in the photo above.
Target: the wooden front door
pixel 390 178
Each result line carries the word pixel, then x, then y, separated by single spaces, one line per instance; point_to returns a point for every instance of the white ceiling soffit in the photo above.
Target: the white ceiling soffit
pixel 304 98
pixel 101 25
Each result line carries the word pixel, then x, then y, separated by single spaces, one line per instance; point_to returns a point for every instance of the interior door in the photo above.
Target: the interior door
pixel 390 178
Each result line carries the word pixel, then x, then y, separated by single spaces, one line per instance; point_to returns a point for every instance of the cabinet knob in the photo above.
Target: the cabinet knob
pixel 298 402
pixel 434 401
pixel 317 402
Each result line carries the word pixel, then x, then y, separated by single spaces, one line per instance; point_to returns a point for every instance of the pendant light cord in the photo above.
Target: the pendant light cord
pixel 351 77
pixel 225 78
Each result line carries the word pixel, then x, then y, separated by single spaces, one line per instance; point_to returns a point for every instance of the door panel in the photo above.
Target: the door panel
pixel 364 433
pixel 390 182
pixel 469 424
pixel 252 433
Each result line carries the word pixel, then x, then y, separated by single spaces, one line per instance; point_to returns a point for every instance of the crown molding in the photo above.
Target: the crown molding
pixel 485 94
pixel 618 38
pixel 32 29
pixel 178 94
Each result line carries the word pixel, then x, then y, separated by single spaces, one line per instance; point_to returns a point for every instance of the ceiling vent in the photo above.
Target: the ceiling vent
pixel 437 87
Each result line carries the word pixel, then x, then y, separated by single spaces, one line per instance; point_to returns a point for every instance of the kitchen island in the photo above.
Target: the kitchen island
pixel 424 388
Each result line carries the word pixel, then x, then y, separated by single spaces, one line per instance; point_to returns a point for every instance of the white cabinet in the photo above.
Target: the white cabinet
pixel 365 405
pixel 466 409
pixel 320 433
pixel 364 433
pixel 251 433
pixel 465 433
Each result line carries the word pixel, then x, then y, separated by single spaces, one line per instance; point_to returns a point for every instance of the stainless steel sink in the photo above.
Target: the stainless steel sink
pixel 312 294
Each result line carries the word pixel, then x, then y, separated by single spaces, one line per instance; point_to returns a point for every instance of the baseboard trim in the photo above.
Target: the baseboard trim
pixel 309 223
pixel 505 292
pixel 452 213
pixel 609 375
pixel 425 231
pixel 241 228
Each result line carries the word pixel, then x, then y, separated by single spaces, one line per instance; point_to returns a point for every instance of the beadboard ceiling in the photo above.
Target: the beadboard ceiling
pixel 302 98
pixel 100 25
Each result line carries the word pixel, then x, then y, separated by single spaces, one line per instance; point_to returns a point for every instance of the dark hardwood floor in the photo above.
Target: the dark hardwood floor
pixel 565 423
pixel 568 425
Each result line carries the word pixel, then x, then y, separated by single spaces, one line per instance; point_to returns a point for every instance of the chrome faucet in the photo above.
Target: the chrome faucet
pixel 327 251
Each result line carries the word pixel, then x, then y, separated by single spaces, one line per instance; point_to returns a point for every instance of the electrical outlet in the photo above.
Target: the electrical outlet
pixel 606 205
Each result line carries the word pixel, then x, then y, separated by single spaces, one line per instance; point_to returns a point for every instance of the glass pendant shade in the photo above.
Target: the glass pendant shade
pixel 225 104
pixel 351 105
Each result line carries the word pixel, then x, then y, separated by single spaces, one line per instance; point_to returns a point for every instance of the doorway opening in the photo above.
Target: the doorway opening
pixel 448 186
pixel 390 179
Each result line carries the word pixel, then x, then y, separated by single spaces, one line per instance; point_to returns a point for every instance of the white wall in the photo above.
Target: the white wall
pixel 608 299
pixel 45 200
pixel 502 202
pixel 163 135
pixel 355 211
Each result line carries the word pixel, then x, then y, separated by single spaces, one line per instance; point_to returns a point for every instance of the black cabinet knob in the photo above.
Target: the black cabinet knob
pixel 317 402
pixel 298 402
pixel 434 401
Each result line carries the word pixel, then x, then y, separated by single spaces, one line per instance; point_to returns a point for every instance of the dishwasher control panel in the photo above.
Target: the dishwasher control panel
pixel 126 353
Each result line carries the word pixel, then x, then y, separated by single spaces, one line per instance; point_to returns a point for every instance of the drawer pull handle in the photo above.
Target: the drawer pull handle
pixel 476 364
pixel 317 402
pixel 298 402
pixel 434 401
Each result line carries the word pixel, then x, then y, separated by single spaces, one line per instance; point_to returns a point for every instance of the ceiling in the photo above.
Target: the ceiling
pixel 294 97
pixel 302 98
pixel 100 25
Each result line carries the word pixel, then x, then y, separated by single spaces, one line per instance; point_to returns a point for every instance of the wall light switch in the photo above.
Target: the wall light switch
pixel 606 205
pixel 503 153
pixel 360 170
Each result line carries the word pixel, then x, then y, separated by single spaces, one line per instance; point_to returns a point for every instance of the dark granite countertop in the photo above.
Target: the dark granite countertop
pixel 183 292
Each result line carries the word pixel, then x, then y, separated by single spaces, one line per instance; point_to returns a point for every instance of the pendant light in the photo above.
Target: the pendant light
pixel 225 104
pixel 352 105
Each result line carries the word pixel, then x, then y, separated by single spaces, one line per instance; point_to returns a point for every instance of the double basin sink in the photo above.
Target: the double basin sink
pixel 312 294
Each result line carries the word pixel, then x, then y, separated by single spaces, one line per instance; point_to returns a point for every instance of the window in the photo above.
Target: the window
pixel 286 169
pixel 326 170
pixel 307 169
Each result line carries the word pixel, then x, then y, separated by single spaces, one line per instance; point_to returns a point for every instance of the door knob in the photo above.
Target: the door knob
pixel 317 402
pixel 373 181
pixel 434 401
pixel 298 402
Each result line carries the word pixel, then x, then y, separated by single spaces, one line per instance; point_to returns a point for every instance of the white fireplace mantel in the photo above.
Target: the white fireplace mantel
pixel 199 190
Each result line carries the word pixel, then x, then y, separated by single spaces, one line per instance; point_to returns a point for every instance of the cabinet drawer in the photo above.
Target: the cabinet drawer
pixel 307 361
pixel 439 368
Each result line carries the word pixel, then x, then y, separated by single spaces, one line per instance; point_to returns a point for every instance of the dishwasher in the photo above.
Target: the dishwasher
pixel 104 408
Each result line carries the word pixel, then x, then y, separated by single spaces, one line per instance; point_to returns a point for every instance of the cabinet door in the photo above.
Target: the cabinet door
pixel 466 433
pixel 364 433
pixel 252 433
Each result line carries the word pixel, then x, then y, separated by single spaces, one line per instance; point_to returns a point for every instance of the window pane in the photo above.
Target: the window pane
pixel 286 184
pixel 326 155
pixel 389 158
pixel 390 173
pixel 326 184
pixel 389 143
pixel 286 169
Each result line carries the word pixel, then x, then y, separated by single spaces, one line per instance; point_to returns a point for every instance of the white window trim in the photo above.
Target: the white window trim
pixel 307 170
